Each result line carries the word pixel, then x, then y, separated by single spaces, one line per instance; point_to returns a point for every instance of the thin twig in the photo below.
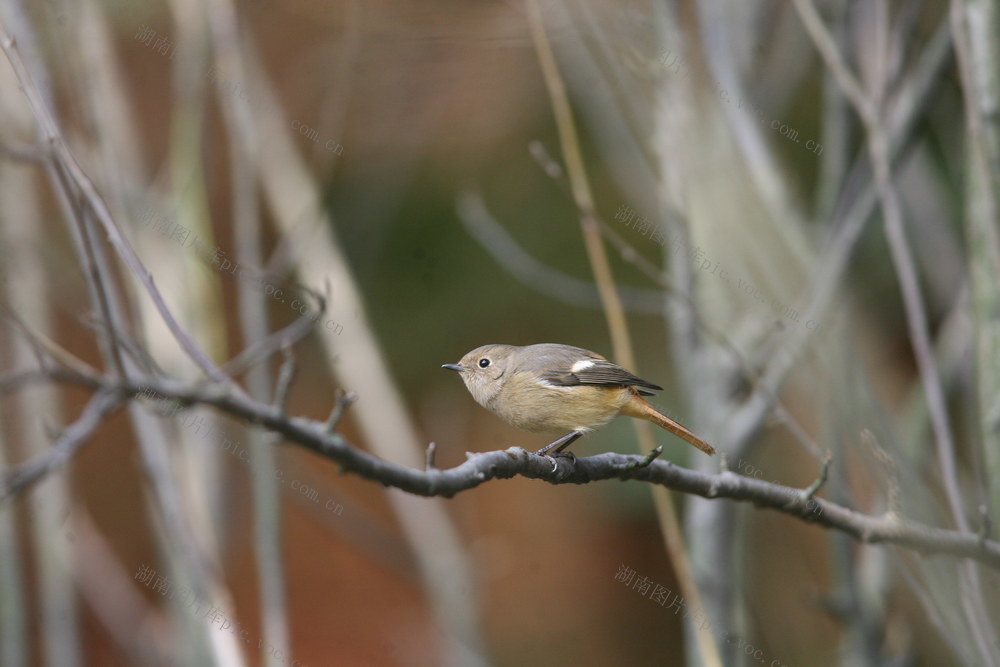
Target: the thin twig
pixel 23 476
pixel 496 241
pixel 893 503
pixel 342 400
pixel 986 525
pixel 285 376
pixel 42 345
pixel 265 347
pixel 649 458
pixel 834 61
pixel 809 492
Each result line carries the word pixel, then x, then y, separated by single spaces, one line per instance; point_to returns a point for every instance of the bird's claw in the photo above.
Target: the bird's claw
pixel 570 455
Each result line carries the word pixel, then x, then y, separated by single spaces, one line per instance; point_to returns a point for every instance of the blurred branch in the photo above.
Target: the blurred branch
pixel 471 205
pixel 22 153
pixel 496 241
pixel 254 323
pixel 871 113
pixel 515 461
pixel 978 53
pixel 833 59
pixel 76 181
pixel 69 441
pixel 837 251
pixel 870 107
pixel 614 313
pixel 307 230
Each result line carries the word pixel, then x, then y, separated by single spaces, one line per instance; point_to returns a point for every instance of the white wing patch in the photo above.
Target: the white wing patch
pixel 580 365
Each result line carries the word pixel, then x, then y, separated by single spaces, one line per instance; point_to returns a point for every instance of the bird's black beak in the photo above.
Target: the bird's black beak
pixel 452 367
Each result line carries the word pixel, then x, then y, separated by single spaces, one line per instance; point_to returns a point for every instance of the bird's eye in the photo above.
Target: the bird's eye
pixel 484 362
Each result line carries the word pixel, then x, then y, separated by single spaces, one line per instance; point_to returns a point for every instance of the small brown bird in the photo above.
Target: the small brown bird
pixel 553 387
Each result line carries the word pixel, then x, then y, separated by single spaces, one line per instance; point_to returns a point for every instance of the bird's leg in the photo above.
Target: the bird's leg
pixel 562 443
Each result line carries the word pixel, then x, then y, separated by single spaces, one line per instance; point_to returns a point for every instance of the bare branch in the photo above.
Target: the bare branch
pixel 264 348
pixel 285 376
pixel 429 457
pixel 503 464
pixel 827 47
pixel 891 469
pixel 496 241
pixel 820 481
pixel 872 112
pixel 341 402
pixel 25 475
pixel 73 173
pixel 22 153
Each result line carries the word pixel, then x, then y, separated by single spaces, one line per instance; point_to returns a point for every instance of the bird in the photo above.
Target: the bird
pixel 550 387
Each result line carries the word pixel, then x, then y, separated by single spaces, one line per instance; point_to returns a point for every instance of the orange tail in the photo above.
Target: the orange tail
pixel 641 409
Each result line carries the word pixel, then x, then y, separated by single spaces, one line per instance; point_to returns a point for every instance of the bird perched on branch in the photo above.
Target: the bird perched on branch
pixel 556 388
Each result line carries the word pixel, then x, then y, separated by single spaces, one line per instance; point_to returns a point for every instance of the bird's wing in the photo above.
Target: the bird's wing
pixel 591 371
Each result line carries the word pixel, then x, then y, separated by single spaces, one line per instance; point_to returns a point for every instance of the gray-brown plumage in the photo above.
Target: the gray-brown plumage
pixel 553 387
